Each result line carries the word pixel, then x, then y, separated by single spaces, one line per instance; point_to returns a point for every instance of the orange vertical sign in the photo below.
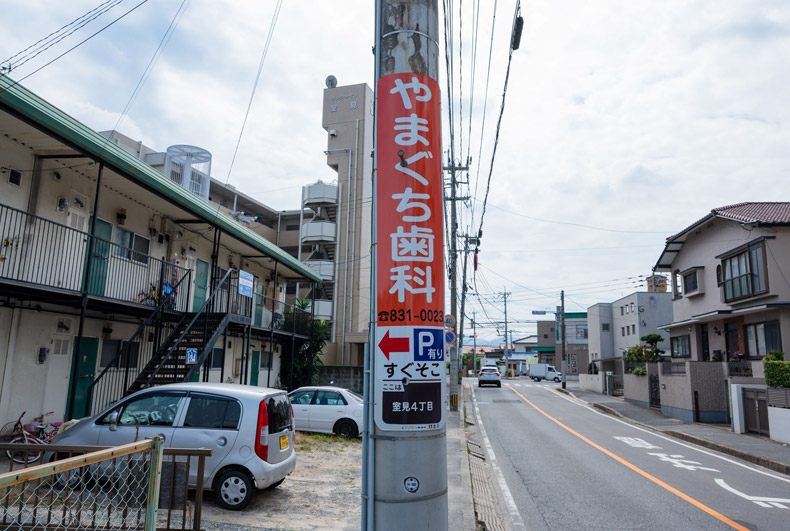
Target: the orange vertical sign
pixel 409 202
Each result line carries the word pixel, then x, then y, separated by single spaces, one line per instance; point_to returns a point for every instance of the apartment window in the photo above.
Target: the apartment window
pixel 622 331
pixel 110 349
pixel 130 246
pixel 14 177
pixel 744 274
pixel 628 330
pixel 680 347
pixel 217 358
pixel 581 332
pixel 632 307
pixel 627 309
pixel 604 327
pixel 292 227
pixel 762 338
pixel 633 329
pixel 622 310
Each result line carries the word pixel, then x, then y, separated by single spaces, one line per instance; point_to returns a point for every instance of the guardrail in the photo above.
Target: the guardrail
pixel 91 487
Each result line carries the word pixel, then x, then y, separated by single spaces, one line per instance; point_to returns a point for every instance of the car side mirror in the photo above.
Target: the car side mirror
pixel 113 421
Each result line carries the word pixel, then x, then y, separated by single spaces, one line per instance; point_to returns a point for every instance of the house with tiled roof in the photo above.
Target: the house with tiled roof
pixel 730 276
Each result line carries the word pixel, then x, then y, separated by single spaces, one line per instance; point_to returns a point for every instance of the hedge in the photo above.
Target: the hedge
pixel 777 373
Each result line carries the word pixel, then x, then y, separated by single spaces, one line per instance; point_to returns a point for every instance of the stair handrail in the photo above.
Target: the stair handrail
pixel 125 349
pixel 189 326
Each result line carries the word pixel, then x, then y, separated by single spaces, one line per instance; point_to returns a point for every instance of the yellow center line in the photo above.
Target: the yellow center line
pixel 638 470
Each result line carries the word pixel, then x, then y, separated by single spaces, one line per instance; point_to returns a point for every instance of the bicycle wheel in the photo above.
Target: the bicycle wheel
pixel 24 457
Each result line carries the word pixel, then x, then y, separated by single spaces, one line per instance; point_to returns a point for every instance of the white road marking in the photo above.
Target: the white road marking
pixel 584 404
pixel 636 442
pixel 515 516
pixel 762 501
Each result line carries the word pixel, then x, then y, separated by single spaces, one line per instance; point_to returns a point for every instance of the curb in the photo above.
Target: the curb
pixel 770 464
pixel 485 496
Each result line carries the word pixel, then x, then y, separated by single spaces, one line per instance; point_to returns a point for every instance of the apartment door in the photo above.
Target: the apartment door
pixel 86 370
pixel 99 258
pixel 255 367
pixel 201 284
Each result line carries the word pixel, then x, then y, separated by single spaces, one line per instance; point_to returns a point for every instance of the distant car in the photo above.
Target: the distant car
pixel 327 409
pixel 489 375
pixel 248 429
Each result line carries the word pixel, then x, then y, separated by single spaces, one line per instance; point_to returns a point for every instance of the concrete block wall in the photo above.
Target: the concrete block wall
pixel 346 377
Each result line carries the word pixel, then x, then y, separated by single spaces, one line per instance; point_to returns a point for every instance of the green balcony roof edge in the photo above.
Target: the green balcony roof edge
pixel 24 102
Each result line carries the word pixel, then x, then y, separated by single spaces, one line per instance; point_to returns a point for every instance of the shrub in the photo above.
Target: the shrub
pixel 777 373
pixel 639 371
pixel 774 355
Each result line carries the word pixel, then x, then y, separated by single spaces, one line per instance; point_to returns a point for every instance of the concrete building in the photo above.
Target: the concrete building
pixel 547 342
pixel 616 326
pixel 335 224
pixel 576 336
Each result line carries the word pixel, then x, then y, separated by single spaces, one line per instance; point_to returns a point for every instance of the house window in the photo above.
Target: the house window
pixel 762 338
pixel 690 282
pixel 14 177
pixel 633 329
pixel 622 310
pixel 130 246
pixel 217 358
pixel 626 309
pixel 622 331
pixel 604 327
pixel 292 227
pixel 632 307
pixel 744 274
pixel 677 290
pixel 680 347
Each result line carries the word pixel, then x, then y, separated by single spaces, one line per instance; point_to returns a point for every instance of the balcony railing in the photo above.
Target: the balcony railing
pixel 42 252
pixel 740 368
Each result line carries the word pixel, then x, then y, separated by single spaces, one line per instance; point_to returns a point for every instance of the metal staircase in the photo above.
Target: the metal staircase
pixel 157 352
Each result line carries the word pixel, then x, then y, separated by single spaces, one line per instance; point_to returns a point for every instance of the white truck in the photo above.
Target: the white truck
pixel 539 371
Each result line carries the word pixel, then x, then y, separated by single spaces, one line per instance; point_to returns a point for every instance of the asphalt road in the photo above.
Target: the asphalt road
pixel 568 466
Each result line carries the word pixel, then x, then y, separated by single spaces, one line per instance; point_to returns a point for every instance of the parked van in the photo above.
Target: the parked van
pixel 248 429
pixel 539 371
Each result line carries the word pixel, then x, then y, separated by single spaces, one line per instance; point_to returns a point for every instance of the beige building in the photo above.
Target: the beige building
pixel 335 224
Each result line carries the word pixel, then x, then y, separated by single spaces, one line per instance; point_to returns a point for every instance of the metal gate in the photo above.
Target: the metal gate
pixel 655 391
pixel 755 410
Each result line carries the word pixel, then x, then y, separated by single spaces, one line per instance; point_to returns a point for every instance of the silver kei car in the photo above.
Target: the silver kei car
pixel 249 430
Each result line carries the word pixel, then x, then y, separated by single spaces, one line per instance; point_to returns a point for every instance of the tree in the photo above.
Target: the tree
pixel 651 351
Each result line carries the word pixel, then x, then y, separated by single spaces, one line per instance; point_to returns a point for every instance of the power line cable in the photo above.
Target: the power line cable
pixel 15 83
pixel 154 59
pixel 55 37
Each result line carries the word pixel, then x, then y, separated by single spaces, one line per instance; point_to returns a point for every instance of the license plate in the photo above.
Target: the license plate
pixel 283 442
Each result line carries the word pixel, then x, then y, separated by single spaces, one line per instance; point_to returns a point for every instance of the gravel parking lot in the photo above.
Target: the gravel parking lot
pixel 323 492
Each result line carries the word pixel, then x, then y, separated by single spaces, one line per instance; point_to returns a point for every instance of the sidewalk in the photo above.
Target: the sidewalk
pixel 754 449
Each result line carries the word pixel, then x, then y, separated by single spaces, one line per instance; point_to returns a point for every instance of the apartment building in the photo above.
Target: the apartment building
pixel 116 273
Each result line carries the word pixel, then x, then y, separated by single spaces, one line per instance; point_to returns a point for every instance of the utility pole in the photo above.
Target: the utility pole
pixel 562 335
pixel 455 369
pixel 474 341
pixel 404 464
pixel 505 294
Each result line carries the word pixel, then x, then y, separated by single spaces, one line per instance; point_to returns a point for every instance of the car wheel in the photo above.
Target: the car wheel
pixel 345 428
pixel 234 490
pixel 479 384
pixel 71 479
pixel 556 380
pixel 499 384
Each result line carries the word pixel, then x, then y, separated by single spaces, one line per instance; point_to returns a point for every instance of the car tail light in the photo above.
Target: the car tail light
pixel 497 374
pixel 262 432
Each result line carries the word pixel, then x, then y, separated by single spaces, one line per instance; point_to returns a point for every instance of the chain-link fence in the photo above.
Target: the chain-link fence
pixel 116 488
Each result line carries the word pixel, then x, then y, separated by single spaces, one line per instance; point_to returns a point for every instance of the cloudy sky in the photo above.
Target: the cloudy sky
pixel 625 120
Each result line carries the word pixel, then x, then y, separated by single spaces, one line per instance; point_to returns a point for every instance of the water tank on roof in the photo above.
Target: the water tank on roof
pixel 189 166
